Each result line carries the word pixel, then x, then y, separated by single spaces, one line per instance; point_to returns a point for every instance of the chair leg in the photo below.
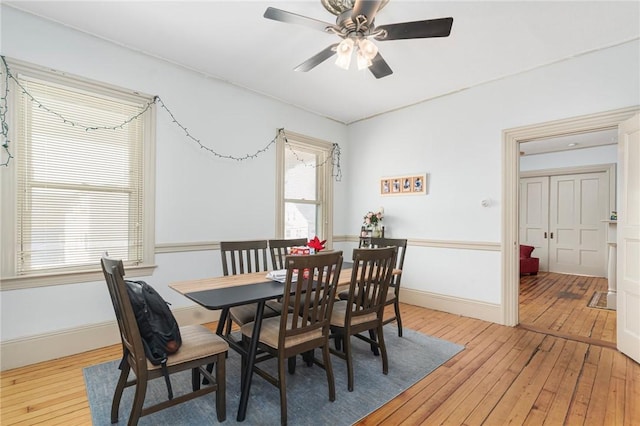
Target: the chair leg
pixel 138 401
pixel 308 357
pixel 292 364
pixel 117 395
pixel 374 347
pixel 283 391
pixel 337 341
pixel 195 378
pixel 383 350
pixel 396 307
pixel 326 359
pixel 221 391
pixel 347 353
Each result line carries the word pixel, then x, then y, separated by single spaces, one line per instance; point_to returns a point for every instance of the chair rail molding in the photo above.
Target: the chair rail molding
pixel 418 242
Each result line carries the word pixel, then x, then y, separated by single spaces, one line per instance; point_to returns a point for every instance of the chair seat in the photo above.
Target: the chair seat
pixel 271 329
pixel 244 314
pixel 391 294
pixel 339 314
pixel 197 342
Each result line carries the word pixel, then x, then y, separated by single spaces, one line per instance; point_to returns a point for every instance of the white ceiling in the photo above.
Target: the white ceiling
pixel 230 40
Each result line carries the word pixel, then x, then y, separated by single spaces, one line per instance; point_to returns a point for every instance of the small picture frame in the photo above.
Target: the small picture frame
pixel 418 184
pixel 407 184
pixel 385 186
pixel 395 186
pixel 414 184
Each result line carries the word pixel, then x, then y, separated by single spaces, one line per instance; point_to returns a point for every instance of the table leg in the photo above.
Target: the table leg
pixel 251 358
pixel 222 321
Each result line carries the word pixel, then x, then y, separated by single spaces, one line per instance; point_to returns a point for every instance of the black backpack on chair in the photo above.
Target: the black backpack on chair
pixel 158 327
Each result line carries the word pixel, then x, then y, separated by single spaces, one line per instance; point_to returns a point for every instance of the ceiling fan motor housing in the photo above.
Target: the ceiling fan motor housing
pixel 337 7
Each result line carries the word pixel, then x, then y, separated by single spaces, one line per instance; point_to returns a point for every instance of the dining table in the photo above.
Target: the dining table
pixel 225 292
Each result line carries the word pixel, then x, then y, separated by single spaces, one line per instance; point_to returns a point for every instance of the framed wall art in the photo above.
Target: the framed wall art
pixel 413 184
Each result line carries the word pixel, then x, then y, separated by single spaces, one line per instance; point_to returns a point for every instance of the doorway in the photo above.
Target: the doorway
pixel 512 139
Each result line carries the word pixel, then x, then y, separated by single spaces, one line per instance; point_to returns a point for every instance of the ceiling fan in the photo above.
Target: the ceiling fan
pixel 356 26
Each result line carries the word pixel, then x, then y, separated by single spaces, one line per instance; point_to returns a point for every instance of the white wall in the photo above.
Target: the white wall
pixel 456 139
pixel 198 197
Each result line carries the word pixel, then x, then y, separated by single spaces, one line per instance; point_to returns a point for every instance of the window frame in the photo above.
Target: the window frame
pixel 324 179
pixel 9 280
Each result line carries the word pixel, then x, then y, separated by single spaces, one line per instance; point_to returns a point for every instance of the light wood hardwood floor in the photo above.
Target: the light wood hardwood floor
pixel 557 304
pixel 505 375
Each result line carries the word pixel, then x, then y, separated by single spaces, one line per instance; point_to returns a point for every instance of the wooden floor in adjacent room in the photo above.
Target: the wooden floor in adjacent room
pixel 505 375
pixel 558 304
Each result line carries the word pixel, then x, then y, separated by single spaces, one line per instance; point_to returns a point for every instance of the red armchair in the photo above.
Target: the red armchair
pixel 528 264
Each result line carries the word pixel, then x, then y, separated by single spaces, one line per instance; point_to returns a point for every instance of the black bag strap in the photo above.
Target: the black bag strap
pixel 124 359
pixel 167 380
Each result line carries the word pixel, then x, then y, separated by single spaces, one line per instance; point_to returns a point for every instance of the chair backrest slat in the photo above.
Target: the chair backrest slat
pixel 280 248
pixel 243 257
pixel 370 279
pixel 401 244
pixel 310 290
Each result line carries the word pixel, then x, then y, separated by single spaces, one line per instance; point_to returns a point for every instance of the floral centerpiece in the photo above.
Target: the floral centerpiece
pixel 373 221
pixel 316 244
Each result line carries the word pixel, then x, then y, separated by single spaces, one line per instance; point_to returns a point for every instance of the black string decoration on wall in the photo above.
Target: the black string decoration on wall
pixel 334 155
pixel 4 126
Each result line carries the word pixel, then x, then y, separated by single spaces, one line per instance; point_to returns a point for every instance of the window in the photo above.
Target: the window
pixel 80 182
pixel 305 188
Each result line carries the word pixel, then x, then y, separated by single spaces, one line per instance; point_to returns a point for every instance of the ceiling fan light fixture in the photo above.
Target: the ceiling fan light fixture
pixel 368 48
pixel 344 52
pixel 363 61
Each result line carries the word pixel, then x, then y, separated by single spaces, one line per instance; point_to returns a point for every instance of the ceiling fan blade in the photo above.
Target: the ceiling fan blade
pixel 317 59
pixel 368 8
pixel 293 18
pixel 379 67
pixel 418 29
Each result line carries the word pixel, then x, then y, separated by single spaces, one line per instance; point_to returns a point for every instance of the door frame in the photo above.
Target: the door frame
pixel 511 139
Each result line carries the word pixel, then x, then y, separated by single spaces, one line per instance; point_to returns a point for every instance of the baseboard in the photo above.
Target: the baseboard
pixel 30 350
pixel 455 305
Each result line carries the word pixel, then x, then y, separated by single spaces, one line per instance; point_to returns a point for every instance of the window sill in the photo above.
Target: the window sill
pixel 44 280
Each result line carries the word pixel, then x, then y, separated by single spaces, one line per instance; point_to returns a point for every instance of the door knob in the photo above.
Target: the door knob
pixel 545 235
pixel 551 236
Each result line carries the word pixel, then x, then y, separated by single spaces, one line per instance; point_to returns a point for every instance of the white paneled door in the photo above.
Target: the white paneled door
pixel 628 241
pixel 534 216
pixel 562 217
pixel 578 204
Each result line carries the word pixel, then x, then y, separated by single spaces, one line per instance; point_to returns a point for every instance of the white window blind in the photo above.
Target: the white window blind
pixel 79 192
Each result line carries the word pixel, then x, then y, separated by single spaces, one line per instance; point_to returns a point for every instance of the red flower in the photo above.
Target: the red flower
pixel 316 244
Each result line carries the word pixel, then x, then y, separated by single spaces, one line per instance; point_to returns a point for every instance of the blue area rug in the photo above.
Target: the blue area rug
pixel 411 358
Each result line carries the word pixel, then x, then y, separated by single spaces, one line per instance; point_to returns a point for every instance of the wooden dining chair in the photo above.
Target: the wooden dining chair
pixel 280 248
pixel 364 308
pixel 200 346
pixel 243 257
pixel 393 293
pixel 311 285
